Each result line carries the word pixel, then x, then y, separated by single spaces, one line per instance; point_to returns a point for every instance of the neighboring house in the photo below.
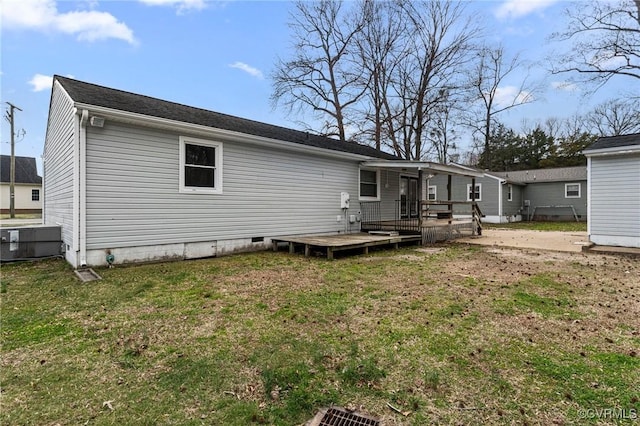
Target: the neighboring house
pixel 137 178
pixel 558 194
pixel 541 194
pixel 613 165
pixel 27 185
pixel 499 199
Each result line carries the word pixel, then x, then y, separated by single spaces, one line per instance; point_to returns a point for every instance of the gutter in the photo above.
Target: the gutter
pixel 421 165
pixel 589 198
pixel 501 183
pixel 611 151
pixel 82 189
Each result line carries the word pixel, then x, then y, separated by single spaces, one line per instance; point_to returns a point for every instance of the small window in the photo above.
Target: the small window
pixel 200 166
pixel 369 184
pixel 432 194
pixel 572 190
pixel 35 195
pixel 509 192
pixel 478 192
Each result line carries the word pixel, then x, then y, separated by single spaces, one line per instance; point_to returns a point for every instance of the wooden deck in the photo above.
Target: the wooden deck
pixel 339 242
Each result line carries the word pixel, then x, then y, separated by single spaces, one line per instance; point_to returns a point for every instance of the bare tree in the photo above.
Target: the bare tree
pixel 388 68
pixel 443 134
pixel 615 117
pixel 438 41
pixel 380 47
pixel 487 83
pixel 319 76
pixel 604 41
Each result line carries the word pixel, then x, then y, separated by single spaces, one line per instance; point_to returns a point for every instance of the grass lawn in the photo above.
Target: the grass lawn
pixel 541 226
pixel 447 335
pixel 21 216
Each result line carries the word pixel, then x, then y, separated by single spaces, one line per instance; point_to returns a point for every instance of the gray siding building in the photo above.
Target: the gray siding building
pixel 613 165
pixel 131 178
pixel 551 194
pixel 543 194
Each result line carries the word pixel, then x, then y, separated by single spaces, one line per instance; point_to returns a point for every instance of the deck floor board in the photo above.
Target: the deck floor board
pixel 338 242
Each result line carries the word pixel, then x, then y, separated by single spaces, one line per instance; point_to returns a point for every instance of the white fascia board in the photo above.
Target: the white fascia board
pixel 421 165
pixel 630 149
pixel 213 132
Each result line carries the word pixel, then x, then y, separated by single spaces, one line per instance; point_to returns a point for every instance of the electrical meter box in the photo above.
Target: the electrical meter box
pixel 344 200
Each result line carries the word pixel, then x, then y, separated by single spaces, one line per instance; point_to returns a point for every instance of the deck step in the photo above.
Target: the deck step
pixel 387 233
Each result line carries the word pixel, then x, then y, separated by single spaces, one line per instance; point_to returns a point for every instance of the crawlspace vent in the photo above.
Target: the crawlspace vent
pixel 335 416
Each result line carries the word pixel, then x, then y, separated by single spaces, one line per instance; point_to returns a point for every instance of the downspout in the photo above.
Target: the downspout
pixel 43 195
pixel 75 225
pixel 589 198
pixel 82 163
pixel 501 183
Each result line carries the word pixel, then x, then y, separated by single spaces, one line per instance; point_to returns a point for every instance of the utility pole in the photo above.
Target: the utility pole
pixel 12 189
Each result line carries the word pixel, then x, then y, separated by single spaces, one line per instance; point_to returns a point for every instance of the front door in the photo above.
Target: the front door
pixel 408 197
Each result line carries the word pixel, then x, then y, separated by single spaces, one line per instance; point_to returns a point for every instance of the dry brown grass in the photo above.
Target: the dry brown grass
pixel 448 335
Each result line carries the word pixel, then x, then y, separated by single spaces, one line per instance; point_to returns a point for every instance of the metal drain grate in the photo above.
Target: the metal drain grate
pixel 335 416
pixel 87 275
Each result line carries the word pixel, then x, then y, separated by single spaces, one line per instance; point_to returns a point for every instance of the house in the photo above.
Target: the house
pixel 500 199
pixel 613 168
pixel 540 194
pixel 556 194
pixel 132 178
pixel 27 185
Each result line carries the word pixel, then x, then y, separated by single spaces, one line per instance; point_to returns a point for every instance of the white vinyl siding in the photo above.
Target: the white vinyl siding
pixel 133 196
pixel 58 164
pixel 615 200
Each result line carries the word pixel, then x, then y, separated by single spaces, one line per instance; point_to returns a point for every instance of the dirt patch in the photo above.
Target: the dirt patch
pixel 520 238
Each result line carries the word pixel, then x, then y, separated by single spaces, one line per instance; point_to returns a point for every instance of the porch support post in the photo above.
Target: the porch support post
pixel 420 196
pixel 473 203
pixel 450 193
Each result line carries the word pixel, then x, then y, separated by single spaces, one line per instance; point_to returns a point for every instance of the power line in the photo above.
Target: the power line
pixel 12 194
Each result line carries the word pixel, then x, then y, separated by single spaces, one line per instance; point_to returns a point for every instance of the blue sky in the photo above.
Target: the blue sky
pixel 213 55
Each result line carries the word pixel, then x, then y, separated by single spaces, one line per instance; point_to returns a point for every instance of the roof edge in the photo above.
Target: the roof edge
pixel 206 131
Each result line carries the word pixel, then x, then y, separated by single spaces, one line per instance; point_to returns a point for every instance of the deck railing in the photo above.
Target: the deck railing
pixel 387 216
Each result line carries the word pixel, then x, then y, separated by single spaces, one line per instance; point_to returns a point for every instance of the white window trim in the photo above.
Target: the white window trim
pixel 218 167
pixel 435 192
pixel 509 192
pixel 566 186
pixel 377 197
pixel 479 185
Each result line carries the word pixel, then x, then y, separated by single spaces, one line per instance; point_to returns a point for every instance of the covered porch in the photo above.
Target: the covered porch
pixel 417 210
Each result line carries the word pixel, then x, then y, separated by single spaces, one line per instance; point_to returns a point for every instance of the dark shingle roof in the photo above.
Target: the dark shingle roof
pixel 26 170
pixel 92 94
pixel 615 141
pixel 559 174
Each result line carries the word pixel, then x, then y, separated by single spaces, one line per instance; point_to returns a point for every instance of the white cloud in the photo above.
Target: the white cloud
pixel 511 95
pixel 182 5
pixel 41 82
pixel 248 69
pixel 511 9
pixel 564 86
pixel 43 15
pixel 608 60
